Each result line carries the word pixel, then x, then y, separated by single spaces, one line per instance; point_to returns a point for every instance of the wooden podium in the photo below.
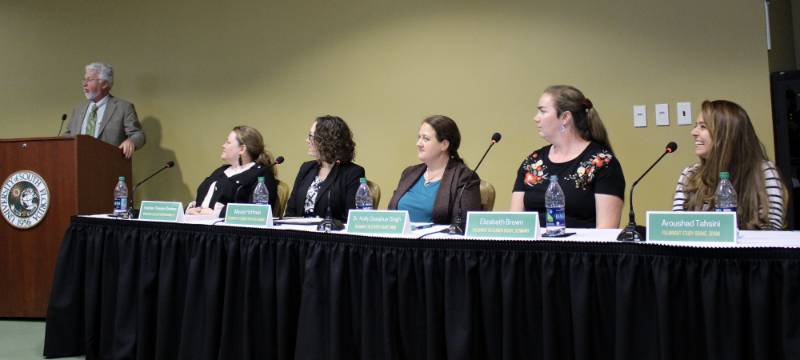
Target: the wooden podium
pixel 80 173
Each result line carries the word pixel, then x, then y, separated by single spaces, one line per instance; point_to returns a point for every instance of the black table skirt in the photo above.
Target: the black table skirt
pixel 138 290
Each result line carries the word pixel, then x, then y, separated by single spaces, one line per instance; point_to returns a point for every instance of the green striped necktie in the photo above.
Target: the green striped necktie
pixel 92 121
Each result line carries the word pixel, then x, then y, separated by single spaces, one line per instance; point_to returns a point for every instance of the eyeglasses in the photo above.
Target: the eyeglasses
pixel 89 79
pixel 310 136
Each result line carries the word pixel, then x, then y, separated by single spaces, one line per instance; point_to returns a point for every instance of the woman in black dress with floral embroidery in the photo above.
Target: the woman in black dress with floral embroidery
pixel 580 154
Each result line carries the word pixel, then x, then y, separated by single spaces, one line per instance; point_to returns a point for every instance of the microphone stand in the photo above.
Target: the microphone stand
pixel 633 232
pixel 329 223
pixel 457 226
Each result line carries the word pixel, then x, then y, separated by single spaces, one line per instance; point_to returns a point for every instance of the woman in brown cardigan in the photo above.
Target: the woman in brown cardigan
pixel 429 190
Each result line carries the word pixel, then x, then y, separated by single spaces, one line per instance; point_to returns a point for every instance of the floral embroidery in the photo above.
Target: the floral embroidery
pixel 587 169
pixel 535 170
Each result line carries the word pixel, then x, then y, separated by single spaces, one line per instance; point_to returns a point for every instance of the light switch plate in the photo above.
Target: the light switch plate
pixel 662 115
pixel 639 116
pixel 684 113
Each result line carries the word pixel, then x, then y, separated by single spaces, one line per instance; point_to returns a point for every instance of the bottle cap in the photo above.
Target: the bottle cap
pixel 724 175
pixel 363 180
pixel 260 179
pixel 554 178
pixel 121 178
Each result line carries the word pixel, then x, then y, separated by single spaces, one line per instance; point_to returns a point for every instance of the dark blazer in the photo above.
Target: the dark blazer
pixel 341 183
pixel 119 122
pixel 238 188
pixel 455 174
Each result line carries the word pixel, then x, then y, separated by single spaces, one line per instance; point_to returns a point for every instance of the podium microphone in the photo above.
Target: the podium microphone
pixel 63 117
pixel 631 232
pixel 132 212
pixel 457 226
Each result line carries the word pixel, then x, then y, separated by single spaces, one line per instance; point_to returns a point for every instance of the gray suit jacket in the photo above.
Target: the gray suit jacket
pixel 120 122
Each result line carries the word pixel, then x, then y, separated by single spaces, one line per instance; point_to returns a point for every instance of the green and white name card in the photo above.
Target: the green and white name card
pixel 378 222
pixel 701 226
pixel 248 215
pixel 503 225
pixel 170 211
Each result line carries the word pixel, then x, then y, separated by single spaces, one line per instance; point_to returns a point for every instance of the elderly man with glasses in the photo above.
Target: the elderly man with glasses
pixel 104 116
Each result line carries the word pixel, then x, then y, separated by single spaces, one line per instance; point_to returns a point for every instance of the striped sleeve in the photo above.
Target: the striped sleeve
pixel 680 196
pixel 774 187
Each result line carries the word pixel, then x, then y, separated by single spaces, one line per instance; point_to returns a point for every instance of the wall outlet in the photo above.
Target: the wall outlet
pixel 684 111
pixel 662 115
pixel 639 116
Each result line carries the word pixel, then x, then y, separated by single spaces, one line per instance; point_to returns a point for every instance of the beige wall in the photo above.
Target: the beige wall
pixel 195 69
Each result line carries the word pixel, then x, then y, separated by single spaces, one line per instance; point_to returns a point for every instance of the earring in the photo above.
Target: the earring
pixel 563 128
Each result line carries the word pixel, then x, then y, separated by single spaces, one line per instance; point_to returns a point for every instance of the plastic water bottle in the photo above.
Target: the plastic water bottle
pixel 363 197
pixel 725 196
pixel 261 193
pixel 121 198
pixel 554 202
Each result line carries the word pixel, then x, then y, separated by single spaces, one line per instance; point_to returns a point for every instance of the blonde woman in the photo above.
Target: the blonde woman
pixel 246 160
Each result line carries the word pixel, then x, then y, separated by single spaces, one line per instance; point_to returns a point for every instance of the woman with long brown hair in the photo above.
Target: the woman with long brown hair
pixel 725 140
pixel 246 160
pixel 580 155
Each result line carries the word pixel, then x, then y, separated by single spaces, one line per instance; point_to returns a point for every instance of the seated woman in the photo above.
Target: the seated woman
pixel 580 155
pixel 246 160
pixel 331 180
pixel 429 190
pixel 724 140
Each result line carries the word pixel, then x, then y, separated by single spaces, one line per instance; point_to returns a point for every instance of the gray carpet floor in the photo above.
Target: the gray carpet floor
pixel 22 340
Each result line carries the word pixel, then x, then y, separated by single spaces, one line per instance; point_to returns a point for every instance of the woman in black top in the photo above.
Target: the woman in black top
pixel 332 179
pixel 246 161
pixel 580 155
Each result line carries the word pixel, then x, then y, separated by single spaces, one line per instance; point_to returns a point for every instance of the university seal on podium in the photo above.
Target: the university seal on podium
pixel 24 199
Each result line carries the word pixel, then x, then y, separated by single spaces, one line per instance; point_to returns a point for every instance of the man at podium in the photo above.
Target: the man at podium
pixel 108 118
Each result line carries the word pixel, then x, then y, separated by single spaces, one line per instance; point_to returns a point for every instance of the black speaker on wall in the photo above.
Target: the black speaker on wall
pixel 785 87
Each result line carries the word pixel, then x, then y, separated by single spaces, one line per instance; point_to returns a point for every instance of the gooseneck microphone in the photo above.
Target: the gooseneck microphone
pixel 278 160
pixel 631 232
pixel 63 117
pixel 132 211
pixel 457 226
pixel 168 165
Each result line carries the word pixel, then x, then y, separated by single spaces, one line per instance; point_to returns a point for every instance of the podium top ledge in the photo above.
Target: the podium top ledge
pixel 49 138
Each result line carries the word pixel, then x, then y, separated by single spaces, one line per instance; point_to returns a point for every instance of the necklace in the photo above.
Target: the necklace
pixel 429 179
pixel 431 182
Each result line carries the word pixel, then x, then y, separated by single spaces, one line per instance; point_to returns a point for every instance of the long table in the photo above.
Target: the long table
pixel 144 290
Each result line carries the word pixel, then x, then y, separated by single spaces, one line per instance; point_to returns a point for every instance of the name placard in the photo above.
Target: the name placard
pixel 503 225
pixel 248 214
pixel 383 222
pixel 170 211
pixel 691 226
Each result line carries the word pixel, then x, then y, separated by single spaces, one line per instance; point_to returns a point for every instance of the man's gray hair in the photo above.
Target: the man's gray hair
pixel 104 72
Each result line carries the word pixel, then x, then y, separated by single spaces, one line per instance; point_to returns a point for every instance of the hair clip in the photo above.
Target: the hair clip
pixel 587 104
